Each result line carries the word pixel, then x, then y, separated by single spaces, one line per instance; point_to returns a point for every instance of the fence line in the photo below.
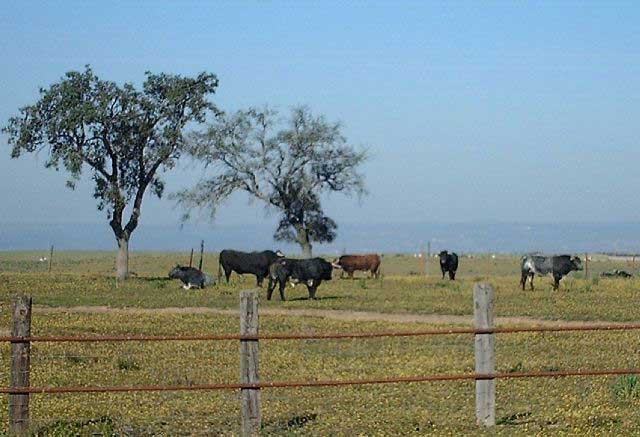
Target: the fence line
pixel 249 337
pixel 322 383
pixel 337 335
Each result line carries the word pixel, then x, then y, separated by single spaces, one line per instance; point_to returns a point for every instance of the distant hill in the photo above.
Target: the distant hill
pixel 406 238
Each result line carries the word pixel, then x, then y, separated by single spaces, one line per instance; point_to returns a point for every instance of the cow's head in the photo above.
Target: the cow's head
pixel 443 254
pixel 279 254
pixel 327 269
pixel 175 272
pixel 336 263
pixel 577 263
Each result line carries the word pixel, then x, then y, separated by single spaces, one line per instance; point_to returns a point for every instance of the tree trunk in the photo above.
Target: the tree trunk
pixel 306 249
pixel 122 259
pixel 303 241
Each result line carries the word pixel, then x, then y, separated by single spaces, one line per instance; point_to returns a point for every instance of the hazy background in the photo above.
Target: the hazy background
pixel 517 120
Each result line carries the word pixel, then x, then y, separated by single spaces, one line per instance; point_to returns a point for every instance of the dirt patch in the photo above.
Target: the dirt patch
pixel 363 316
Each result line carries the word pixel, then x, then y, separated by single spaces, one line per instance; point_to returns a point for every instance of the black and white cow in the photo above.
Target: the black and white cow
pixel 558 266
pixel 311 272
pixel 191 277
pixel 448 263
pixel 255 263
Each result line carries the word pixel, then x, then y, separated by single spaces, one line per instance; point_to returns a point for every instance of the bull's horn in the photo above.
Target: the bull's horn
pixel 336 266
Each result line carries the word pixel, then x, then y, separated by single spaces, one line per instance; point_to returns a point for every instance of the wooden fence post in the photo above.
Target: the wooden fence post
pixel 191 258
pixel 485 355
pixel 586 265
pixel 427 257
pixel 50 258
pixel 250 397
pixel 201 254
pixel 20 362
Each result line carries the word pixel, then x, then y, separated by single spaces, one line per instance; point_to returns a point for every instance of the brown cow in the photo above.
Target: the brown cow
pixel 351 263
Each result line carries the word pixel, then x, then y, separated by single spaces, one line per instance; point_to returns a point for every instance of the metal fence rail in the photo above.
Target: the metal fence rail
pixel 250 385
pixel 336 335
pixel 325 383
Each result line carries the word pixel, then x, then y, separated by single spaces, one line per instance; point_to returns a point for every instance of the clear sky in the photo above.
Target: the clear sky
pixel 471 111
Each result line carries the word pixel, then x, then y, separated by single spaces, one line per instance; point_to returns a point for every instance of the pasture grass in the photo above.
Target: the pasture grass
pixel 601 405
pixel 92 284
pixel 549 405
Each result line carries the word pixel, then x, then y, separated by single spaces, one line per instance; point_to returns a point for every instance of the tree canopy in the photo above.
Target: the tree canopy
pixel 286 163
pixel 122 134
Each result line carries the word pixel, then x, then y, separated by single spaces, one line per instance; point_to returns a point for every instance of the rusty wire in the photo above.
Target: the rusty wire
pixel 338 335
pixel 327 383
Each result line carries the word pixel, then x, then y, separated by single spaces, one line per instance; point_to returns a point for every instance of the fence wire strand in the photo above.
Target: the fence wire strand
pixel 339 335
pixel 328 383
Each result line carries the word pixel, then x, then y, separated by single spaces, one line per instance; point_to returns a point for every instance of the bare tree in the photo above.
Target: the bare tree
pixel 123 135
pixel 288 164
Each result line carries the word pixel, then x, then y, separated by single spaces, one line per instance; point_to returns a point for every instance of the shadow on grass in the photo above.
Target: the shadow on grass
pixel 102 426
pixel 152 279
pixel 317 298
pixel 292 424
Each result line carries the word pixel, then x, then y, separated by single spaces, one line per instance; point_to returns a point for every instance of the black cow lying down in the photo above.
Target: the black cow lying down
pixel 191 277
pixel 255 263
pixel 616 273
pixel 558 266
pixel 311 272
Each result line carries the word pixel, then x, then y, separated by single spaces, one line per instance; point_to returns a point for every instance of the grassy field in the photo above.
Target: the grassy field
pixel 572 406
pixel 86 279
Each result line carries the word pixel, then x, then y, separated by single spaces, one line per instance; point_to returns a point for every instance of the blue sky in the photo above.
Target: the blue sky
pixel 471 111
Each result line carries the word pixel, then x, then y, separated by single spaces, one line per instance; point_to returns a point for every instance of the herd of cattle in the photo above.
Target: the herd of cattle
pixel 312 272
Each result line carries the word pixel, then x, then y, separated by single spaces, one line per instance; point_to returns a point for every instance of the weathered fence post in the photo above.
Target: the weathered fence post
pixel 191 258
pixel 201 254
pixel 20 362
pixel 485 355
pixel 50 258
pixel 586 265
pixel 251 418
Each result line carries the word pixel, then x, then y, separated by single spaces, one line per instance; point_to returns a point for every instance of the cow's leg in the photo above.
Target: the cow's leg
pixel 283 285
pixel 531 275
pixel 312 286
pixel 259 280
pixel 452 275
pixel 556 281
pixel 227 274
pixel 523 279
pixel 270 288
pixel 443 272
pixel 351 274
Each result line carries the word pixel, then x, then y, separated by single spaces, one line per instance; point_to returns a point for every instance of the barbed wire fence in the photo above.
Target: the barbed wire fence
pixel 249 387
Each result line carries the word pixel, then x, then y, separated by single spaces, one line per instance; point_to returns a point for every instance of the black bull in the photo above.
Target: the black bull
pixel 311 272
pixel 448 263
pixel 558 266
pixel 255 263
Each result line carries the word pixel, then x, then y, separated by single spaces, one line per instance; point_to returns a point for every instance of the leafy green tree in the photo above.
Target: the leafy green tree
pixel 122 135
pixel 288 164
